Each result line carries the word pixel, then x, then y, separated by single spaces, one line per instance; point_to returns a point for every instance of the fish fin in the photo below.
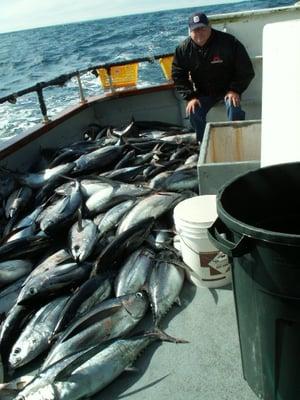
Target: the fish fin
pixel 145 288
pixel 168 338
pixel 214 294
pixel 165 337
pixel 131 369
pixel 97 316
pixel 178 301
pixel 83 356
pixel 80 226
pixel 16 385
pixel 9 233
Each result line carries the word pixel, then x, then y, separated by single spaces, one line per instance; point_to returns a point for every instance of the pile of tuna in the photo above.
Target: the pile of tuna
pixel 87 246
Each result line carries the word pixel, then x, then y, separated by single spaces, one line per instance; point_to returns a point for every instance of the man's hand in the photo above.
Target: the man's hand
pixel 233 98
pixel 192 105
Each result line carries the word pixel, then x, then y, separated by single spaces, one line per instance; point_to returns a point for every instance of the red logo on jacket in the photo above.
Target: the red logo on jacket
pixel 216 59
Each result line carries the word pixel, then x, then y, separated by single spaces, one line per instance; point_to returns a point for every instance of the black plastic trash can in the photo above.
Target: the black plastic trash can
pixel 259 228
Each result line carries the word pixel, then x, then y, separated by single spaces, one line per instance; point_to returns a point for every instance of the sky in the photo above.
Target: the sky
pixel 24 14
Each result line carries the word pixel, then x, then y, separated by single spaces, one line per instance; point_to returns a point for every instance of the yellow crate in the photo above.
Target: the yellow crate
pixel 120 76
pixel 166 66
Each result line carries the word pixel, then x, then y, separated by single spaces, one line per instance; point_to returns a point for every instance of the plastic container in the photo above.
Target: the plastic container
pixel 119 76
pixel 207 266
pixel 228 149
pixel 166 66
pixel 259 227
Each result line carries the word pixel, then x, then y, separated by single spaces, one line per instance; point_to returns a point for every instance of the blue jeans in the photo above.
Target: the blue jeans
pixel 198 118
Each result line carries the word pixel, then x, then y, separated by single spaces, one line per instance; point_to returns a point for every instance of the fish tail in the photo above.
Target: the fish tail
pixel 163 336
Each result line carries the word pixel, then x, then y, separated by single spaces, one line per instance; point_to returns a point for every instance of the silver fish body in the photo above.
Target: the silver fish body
pixel 82 239
pixel 112 217
pixel 50 262
pixel 191 159
pixel 94 374
pixel 133 275
pixel 29 219
pixel 9 295
pixel 1 370
pixel 47 376
pixel 184 179
pixel 55 216
pixel 39 179
pixel 158 181
pixel 89 186
pixel 90 293
pixel 23 233
pixel 12 270
pixel 165 283
pixel 98 201
pixel 34 339
pixel 7 184
pixel 181 138
pixel 51 282
pixel 109 320
pixel 102 293
pixel 17 201
pixel 158 239
pixel 152 206
pixel 98 159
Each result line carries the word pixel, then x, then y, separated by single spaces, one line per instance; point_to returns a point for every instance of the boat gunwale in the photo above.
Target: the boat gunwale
pixel 218 18
pixel 29 135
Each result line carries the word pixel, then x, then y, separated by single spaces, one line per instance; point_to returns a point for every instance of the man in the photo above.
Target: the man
pixel 209 66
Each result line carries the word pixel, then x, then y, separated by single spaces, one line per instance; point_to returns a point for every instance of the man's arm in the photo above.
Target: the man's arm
pixel 243 70
pixel 180 76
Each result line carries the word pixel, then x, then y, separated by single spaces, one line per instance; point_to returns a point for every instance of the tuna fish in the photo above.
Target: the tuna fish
pixel 151 206
pixel 98 159
pixel 12 270
pixel 38 179
pixel 82 238
pixel 92 292
pixel 165 283
pixel 61 213
pixel 53 282
pixel 78 382
pixel 18 200
pixel 134 273
pixel 112 217
pixel 34 339
pixel 110 319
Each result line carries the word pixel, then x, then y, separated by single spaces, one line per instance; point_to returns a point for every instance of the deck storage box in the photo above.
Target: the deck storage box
pixel 228 149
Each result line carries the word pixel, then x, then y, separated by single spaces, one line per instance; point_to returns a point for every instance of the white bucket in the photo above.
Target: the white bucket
pixel 208 267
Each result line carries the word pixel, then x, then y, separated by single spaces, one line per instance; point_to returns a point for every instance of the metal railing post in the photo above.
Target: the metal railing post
pixel 42 103
pixel 81 94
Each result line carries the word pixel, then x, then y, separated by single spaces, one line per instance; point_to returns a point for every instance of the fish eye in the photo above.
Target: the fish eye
pixel 17 350
pixel 32 290
pixel 139 295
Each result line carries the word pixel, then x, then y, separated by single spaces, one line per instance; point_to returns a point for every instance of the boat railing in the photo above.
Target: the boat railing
pixel 113 76
pixel 120 74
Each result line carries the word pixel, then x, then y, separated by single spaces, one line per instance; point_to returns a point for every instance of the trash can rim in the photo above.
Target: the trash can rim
pixel 243 228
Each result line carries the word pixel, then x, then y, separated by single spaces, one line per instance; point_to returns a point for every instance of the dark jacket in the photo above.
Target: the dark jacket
pixel 222 64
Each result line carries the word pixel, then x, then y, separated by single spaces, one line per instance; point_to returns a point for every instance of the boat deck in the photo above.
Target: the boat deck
pixel 208 367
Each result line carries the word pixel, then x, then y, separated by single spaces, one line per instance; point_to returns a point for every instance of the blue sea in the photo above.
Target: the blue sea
pixel 36 55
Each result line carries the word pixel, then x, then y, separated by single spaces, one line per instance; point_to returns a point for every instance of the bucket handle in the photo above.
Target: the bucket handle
pixel 216 235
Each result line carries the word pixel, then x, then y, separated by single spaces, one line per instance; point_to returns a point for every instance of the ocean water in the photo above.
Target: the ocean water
pixel 36 55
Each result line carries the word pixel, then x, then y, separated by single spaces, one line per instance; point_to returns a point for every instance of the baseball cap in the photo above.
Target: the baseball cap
pixel 198 20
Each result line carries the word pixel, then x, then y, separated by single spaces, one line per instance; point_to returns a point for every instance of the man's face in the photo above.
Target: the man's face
pixel 201 35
